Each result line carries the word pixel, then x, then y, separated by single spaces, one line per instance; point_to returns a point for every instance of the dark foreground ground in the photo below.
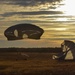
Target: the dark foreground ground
pixel 27 63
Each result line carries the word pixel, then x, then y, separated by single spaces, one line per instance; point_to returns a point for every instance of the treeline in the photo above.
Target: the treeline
pixel 55 50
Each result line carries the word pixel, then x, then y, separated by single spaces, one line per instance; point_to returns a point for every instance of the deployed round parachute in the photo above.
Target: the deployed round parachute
pixel 68 51
pixel 22 31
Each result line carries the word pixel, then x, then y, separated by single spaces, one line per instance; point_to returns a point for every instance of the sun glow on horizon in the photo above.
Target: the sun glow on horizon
pixel 60 29
pixel 67 7
pixel 61 19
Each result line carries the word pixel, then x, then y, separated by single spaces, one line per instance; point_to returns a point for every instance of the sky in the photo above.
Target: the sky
pixel 56 17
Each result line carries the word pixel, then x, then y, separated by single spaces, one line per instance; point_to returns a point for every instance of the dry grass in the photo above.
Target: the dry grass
pixel 36 64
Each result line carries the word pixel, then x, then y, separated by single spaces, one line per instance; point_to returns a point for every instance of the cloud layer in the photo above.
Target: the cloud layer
pixel 28 2
pixel 43 13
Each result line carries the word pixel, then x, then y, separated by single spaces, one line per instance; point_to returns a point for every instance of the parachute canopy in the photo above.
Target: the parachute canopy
pixel 68 51
pixel 22 31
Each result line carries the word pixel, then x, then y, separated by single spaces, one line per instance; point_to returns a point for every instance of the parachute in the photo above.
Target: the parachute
pixel 22 31
pixel 68 51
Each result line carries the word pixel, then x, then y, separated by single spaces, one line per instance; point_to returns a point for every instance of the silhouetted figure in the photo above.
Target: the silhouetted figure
pixel 68 51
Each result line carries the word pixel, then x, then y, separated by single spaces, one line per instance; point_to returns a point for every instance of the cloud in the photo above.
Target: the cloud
pixel 31 13
pixel 23 7
pixel 28 2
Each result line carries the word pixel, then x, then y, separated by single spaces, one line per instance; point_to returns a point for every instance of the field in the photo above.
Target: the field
pixel 34 63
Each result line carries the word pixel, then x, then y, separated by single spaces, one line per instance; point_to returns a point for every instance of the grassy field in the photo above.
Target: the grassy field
pixel 13 63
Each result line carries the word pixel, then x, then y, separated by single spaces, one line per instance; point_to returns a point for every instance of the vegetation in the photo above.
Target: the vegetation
pixel 56 50
pixel 38 62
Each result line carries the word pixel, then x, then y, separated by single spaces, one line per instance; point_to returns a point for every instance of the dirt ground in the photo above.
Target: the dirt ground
pixel 34 64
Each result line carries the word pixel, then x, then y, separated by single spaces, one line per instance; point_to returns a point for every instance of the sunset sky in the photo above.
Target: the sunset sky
pixel 56 17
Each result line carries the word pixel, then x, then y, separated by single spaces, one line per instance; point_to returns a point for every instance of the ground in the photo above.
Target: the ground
pixel 34 64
